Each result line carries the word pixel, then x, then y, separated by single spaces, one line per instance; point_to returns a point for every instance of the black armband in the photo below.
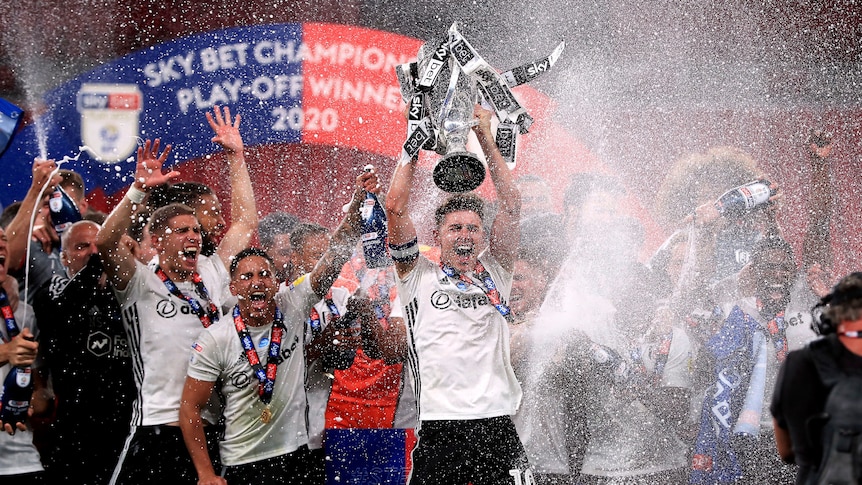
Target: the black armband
pixel 404 253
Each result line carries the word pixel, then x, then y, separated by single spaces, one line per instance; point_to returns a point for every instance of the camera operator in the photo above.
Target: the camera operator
pixel 804 382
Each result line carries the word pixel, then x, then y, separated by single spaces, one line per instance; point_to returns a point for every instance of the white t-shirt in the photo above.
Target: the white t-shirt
pixel 318 383
pixel 17 453
pixel 458 344
pixel 218 354
pixel 161 328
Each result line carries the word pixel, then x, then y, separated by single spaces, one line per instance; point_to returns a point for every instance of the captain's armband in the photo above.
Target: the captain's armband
pixel 404 253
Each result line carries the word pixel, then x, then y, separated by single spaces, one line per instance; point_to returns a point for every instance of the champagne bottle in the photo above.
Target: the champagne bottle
pixel 64 211
pixel 15 395
pixel 741 200
pixel 374 231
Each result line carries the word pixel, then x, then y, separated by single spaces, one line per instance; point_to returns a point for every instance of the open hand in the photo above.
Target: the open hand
pixel 148 171
pixel 226 129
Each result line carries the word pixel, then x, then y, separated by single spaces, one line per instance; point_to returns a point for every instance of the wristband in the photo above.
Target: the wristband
pixel 404 253
pixel 135 195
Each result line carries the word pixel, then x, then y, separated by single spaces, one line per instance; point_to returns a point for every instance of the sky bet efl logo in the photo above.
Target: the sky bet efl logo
pixel 109 119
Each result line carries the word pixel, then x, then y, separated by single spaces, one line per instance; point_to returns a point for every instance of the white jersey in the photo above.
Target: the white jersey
pixel 218 354
pixel 458 344
pixel 318 382
pixel 18 455
pixel 405 410
pixel 161 329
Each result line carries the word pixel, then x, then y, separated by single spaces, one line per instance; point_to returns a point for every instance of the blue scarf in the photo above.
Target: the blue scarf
pixel 734 402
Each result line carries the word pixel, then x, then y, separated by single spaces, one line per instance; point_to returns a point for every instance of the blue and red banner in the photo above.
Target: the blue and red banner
pixel 293 83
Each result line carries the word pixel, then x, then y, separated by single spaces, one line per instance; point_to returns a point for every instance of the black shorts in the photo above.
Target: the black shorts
pixel 158 455
pixel 289 469
pixel 32 478
pixel 478 451
pixel 317 466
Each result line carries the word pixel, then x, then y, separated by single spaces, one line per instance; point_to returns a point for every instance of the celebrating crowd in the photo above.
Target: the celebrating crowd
pixel 166 346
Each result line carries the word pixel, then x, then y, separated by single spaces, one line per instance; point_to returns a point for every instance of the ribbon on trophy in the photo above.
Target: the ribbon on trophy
pixel 419 130
pixel 437 61
pixel 526 73
pixel 407 74
pixel 491 84
pixel 507 141
pixel 438 116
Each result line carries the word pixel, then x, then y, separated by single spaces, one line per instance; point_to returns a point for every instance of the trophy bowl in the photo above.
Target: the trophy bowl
pixel 459 172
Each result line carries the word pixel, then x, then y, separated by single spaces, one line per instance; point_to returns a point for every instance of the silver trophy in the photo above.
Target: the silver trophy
pixel 441 89
pixel 450 111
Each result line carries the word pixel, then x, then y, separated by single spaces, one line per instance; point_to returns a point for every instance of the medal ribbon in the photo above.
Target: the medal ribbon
pixel 314 317
pixel 487 286
pixel 208 316
pixel 12 329
pixel 266 378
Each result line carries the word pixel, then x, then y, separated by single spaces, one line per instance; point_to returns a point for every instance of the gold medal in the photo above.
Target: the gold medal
pixel 266 415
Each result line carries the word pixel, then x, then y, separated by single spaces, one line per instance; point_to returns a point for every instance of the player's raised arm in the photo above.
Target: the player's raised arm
pixel 118 258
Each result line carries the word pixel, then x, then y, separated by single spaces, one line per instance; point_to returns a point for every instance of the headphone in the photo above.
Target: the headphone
pixel 822 324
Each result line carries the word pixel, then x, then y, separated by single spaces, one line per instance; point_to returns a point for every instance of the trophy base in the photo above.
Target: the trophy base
pixel 459 172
